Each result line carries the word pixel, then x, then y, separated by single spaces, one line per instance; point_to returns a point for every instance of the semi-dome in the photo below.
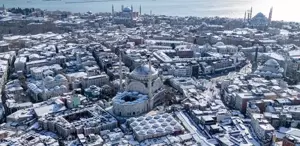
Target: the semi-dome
pixel 56 88
pixel 127 9
pixel 60 77
pixel 219 44
pixel 48 79
pixel 63 87
pixel 271 62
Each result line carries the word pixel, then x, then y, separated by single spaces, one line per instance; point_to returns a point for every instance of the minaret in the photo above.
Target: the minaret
pixel 251 13
pixel 120 71
pixel 286 55
pixel 248 16
pixel 122 8
pixel 126 82
pixel 270 15
pixel 140 10
pixel 112 10
pixel 43 90
pixel 131 8
pixel 149 79
pixel 254 66
pixel 4 10
pixel 245 16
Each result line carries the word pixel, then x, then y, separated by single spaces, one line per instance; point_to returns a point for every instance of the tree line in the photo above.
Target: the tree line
pixel 25 11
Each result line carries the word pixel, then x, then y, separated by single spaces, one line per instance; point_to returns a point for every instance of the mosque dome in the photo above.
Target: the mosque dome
pixel 127 9
pixel 259 15
pixel 49 79
pixel 219 44
pixel 271 62
pixel 63 87
pixel 60 77
pixel 56 88
pixel 203 24
pixel 259 19
pixel 143 72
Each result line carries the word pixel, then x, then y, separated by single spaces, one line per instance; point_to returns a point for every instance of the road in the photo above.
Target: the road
pixel 192 129
pixel 245 70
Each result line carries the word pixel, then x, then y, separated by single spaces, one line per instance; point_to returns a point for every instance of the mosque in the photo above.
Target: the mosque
pixel 259 21
pixel 126 16
pixel 143 91
pixel 270 69
pixel 49 87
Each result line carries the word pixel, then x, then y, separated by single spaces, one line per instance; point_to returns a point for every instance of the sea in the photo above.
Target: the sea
pixel 287 10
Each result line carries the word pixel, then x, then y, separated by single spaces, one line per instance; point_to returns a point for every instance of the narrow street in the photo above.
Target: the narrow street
pixel 190 126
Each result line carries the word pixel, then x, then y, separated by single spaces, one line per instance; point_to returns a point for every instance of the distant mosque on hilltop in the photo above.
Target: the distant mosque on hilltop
pixel 259 21
pixel 126 16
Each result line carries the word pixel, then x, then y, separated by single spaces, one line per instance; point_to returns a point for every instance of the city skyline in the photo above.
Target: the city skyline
pixel 128 78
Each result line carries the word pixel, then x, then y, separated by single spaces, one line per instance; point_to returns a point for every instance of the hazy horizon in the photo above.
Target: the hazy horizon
pixel 283 10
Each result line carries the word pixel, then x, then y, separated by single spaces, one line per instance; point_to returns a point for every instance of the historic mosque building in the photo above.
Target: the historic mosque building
pixel 143 91
pixel 126 16
pixel 270 69
pixel 49 87
pixel 259 21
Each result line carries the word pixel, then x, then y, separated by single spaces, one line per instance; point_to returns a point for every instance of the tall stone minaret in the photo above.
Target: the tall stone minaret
pixel 122 8
pixel 270 15
pixel 286 59
pixel 140 10
pixel 251 13
pixel 131 8
pixel 255 64
pixel 112 10
pixel 4 10
pixel 245 16
pixel 149 79
pixel 248 16
pixel 120 71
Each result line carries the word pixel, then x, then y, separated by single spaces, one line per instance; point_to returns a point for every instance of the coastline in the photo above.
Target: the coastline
pixel 200 8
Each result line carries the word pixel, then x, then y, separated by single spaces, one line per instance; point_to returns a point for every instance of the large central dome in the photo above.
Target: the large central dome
pixel 142 72
pixel 259 19
pixel 127 9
